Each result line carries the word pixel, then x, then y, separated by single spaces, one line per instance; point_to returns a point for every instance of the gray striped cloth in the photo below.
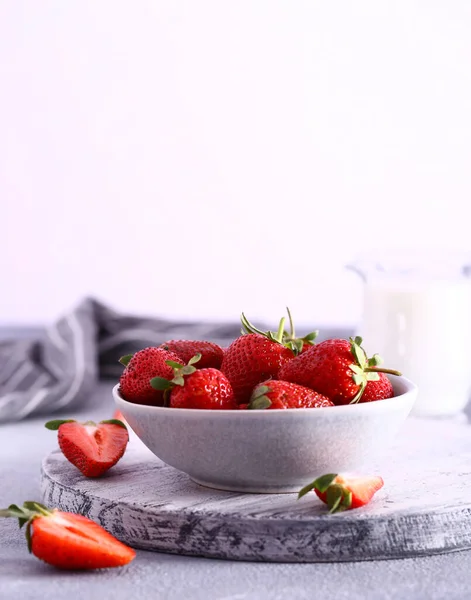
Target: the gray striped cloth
pixel 57 371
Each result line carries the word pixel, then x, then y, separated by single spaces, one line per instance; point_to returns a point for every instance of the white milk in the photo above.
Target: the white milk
pixel 423 328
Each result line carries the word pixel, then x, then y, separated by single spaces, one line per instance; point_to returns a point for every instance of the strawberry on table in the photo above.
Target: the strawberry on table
pixel 92 448
pixel 275 394
pixel 211 354
pixel 68 541
pixel 207 389
pixel 337 368
pixel 151 362
pixel 378 390
pixel 344 493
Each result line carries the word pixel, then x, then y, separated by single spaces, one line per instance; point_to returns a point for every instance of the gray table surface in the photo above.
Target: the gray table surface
pixel 152 575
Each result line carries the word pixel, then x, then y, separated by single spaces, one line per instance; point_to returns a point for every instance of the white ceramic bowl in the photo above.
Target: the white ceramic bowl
pixel 269 451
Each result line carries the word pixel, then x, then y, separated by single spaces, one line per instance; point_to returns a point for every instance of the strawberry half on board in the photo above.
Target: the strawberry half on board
pixel 68 541
pixel 344 493
pixel 337 368
pixel 274 394
pixel 92 448
pixel 211 354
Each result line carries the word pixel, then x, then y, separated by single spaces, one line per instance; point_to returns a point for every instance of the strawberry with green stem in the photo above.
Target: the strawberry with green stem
pixel 196 388
pixel 275 394
pixel 289 339
pixel 139 369
pixel 254 357
pixel 66 540
pixel 344 493
pixel 337 368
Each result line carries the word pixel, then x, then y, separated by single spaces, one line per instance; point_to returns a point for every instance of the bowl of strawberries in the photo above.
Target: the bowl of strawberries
pixel 267 414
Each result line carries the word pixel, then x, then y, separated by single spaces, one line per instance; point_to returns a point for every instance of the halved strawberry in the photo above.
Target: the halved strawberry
pixel 92 448
pixel 343 493
pixel 68 541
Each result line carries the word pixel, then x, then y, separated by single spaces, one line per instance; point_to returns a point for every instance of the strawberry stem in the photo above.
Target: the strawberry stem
pixel 291 324
pixel 249 328
pixel 281 330
pixel 381 370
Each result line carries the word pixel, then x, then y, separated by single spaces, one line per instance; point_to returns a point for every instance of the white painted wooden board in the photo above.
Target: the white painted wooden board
pixel 424 508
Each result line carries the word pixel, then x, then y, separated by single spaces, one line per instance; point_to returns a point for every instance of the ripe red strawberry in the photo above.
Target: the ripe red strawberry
pixel 211 354
pixel 343 493
pixel 197 388
pixel 204 389
pixel 378 390
pixel 250 359
pixel 275 394
pixel 257 356
pixel 92 448
pixel 134 383
pixel 68 541
pixel 338 369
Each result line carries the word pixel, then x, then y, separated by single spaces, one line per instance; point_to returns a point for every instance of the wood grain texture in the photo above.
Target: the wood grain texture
pixel 424 508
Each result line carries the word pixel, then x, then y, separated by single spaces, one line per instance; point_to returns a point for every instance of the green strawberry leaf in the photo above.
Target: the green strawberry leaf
pixel 260 390
pixel 334 497
pixel 298 346
pixel 358 378
pixel 347 499
pixel 375 361
pixel 260 403
pixel 161 384
pixel 13 511
pixel 188 370
pixel 125 360
pixel 372 376
pixel 358 353
pixel 35 506
pixel 54 425
pixel 114 422
pixel 196 358
pixel 173 364
pixel 28 535
pixel 359 394
pixel 320 484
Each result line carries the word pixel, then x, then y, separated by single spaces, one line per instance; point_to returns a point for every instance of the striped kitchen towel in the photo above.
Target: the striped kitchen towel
pixel 58 370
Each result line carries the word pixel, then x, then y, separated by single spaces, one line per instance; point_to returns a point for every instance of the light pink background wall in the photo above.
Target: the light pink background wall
pixel 199 158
